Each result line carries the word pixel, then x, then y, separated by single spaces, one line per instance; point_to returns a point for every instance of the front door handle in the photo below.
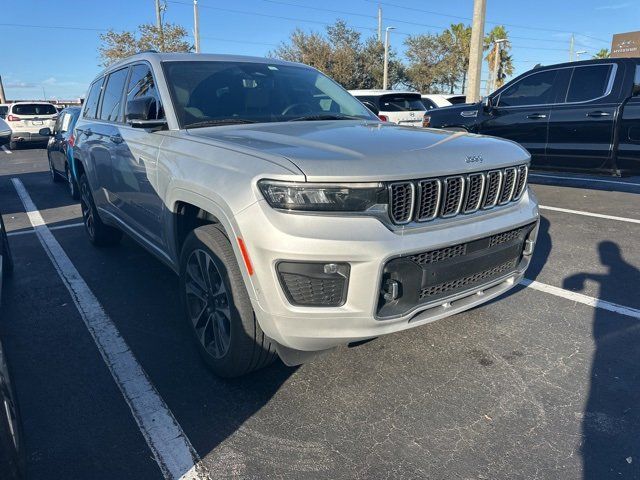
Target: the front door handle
pixel 598 113
pixel 117 138
pixel 88 132
pixel 536 116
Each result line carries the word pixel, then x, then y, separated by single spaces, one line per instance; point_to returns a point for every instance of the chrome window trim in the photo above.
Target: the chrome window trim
pixel 438 199
pixel 497 195
pixel 513 187
pixel 413 202
pixel 481 196
pixel 612 77
pixel 518 195
pixel 462 191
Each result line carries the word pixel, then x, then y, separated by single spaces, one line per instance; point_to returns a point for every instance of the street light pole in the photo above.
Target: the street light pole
pixel 379 23
pixel 385 74
pixel 159 24
pixel 196 26
pixel 475 51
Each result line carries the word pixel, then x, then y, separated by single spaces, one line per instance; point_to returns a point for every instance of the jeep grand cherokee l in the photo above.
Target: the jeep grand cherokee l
pixel 296 220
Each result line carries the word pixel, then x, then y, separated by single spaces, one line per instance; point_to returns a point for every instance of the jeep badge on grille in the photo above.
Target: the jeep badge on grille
pixel 474 159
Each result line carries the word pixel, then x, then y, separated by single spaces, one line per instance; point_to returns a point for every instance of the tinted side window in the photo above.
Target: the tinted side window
pixel 91 103
pixel 142 84
pixel 429 104
pixel 401 103
pixel 588 83
pixel 536 89
pixel 112 96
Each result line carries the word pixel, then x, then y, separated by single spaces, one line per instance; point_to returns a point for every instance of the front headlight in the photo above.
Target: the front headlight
pixel 326 197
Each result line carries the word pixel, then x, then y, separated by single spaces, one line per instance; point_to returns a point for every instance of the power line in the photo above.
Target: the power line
pixel 493 23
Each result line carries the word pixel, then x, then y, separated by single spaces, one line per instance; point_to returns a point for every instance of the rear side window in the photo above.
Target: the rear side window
pixel 401 103
pixel 142 84
pixel 91 103
pixel 112 97
pixel 34 109
pixel 588 83
pixel 536 89
pixel 429 104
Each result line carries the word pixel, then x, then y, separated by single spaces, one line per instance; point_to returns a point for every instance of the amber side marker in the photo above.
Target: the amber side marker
pixel 245 256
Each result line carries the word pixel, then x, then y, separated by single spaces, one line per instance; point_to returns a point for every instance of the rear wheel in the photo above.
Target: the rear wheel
pixel 217 306
pixel 99 234
pixel 71 182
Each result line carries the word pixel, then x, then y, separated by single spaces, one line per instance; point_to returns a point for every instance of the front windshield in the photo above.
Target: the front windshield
pixel 209 93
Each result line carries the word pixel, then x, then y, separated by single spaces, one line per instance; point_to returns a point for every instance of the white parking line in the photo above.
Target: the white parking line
pixel 583 179
pixel 6 150
pixel 55 227
pixel 171 448
pixel 589 214
pixel 581 298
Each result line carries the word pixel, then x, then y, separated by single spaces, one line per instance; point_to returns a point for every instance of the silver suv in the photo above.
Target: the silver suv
pixel 296 220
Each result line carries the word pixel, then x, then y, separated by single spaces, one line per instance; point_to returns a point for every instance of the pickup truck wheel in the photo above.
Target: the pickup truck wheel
pixel 217 306
pixel 99 234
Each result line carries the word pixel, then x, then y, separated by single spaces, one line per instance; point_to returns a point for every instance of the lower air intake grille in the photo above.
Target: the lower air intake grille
pixel 435 256
pixel 305 290
pixel 468 281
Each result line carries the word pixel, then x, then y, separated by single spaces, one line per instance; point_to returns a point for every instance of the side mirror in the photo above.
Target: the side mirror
pixel 486 103
pixel 371 107
pixel 45 132
pixel 142 113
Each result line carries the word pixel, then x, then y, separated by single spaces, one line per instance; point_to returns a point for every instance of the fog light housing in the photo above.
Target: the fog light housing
pixel 314 284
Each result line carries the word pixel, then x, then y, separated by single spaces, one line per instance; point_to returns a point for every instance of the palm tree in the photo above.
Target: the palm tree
pixel 505 62
pixel 603 53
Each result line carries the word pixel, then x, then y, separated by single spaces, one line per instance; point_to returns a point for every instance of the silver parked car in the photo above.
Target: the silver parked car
pixel 296 220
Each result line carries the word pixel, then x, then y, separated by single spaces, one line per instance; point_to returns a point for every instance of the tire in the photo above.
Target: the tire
pixel 217 307
pixel 13 145
pixel 55 178
pixel 72 185
pixel 7 258
pixel 99 234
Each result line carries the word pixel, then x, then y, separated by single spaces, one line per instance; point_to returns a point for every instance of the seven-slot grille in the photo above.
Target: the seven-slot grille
pixel 427 199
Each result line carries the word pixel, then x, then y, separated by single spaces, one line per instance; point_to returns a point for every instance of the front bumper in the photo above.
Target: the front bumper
pixel 367 246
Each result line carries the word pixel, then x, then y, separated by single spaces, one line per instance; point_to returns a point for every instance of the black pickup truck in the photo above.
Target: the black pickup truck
pixel 582 116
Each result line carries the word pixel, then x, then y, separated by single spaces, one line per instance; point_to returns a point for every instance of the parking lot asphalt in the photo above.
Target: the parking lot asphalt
pixel 533 385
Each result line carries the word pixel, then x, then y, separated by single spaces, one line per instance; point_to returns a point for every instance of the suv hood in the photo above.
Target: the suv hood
pixel 345 150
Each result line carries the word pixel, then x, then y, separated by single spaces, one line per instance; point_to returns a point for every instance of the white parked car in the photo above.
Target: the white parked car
pixel 27 118
pixel 437 100
pixel 401 107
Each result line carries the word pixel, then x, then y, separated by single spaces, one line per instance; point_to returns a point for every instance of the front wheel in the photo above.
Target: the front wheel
pixel 99 234
pixel 217 306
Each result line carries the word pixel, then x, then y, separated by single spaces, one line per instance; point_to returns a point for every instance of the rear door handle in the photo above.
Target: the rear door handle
pixel 116 138
pixel 598 114
pixel 536 116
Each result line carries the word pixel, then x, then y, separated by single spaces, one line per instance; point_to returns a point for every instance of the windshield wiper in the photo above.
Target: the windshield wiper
pixel 325 116
pixel 220 121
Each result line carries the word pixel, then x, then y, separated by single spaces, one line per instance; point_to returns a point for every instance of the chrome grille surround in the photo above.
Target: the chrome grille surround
pixel 452 196
pixel 428 199
pixel 402 201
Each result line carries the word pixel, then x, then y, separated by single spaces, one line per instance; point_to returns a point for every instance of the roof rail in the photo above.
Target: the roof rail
pixel 150 50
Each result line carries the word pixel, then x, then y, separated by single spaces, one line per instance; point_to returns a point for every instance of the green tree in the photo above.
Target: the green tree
pixel 342 54
pixel 505 61
pixel 118 45
pixel 439 62
pixel 603 53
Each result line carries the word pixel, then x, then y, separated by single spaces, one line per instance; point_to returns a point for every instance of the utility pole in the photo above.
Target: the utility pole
pixel 385 74
pixel 159 24
pixel 379 23
pixel 196 26
pixel 475 52
pixel 571 42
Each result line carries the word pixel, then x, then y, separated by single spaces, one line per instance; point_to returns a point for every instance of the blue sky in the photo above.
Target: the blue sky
pixel 62 61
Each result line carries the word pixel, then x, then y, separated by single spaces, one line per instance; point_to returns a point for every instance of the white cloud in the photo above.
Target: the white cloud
pixel 617 6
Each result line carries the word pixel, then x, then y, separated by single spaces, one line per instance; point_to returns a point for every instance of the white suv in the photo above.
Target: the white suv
pixel 397 106
pixel 26 119
pixel 296 220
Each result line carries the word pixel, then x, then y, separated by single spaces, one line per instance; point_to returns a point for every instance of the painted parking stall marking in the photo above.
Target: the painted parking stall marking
pixel 589 214
pixel 55 227
pixel 581 298
pixel 171 448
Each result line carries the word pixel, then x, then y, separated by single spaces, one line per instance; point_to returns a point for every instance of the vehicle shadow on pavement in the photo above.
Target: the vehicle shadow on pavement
pixel 611 421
